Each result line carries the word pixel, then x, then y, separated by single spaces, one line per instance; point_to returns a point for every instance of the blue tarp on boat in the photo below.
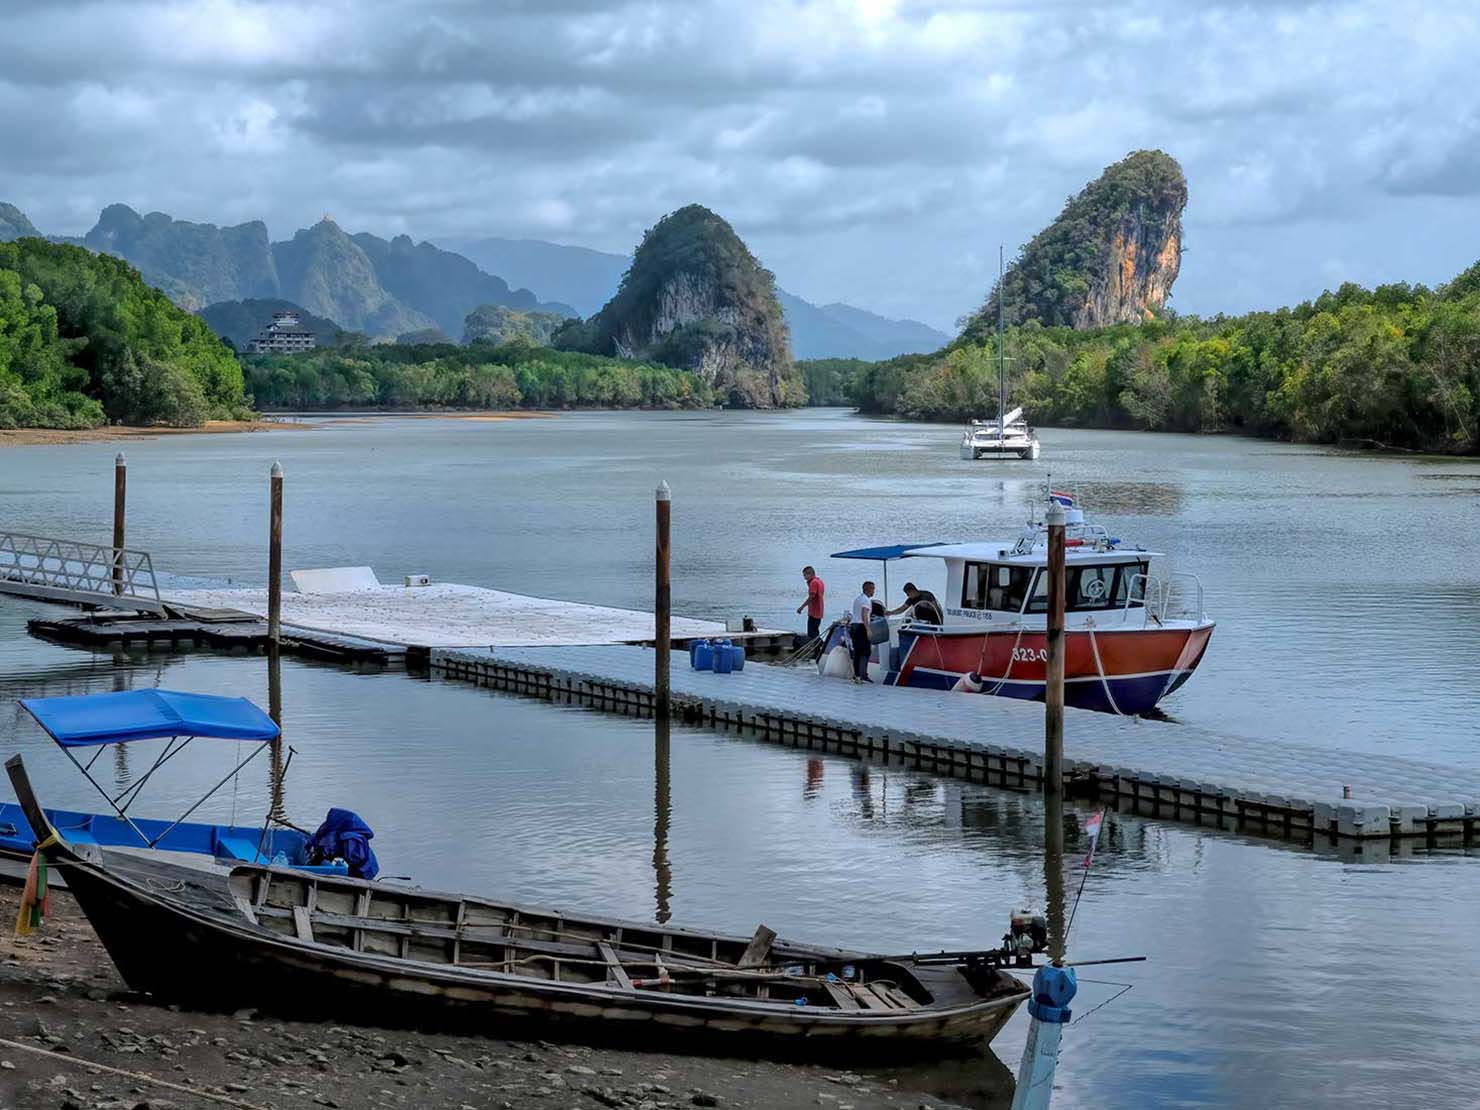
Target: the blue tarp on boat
pixel 118 718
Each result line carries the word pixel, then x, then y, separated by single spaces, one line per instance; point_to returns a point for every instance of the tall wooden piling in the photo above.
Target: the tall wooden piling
pixel 120 504
pixel 662 600
pixel 275 558
pixel 1053 691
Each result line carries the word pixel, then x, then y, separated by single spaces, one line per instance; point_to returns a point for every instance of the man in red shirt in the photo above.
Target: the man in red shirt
pixel 813 604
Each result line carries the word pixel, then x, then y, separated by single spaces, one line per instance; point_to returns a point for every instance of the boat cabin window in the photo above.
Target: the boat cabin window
pixel 1087 588
pixel 995 586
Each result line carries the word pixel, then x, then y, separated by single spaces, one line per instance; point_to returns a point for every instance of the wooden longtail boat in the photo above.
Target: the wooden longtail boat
pixel 351 950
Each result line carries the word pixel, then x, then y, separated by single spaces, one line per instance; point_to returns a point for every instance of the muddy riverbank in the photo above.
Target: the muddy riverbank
pixel 60 994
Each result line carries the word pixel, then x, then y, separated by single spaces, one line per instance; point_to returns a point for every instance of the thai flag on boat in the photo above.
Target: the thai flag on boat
pixel 1064 499
pixel 1092 830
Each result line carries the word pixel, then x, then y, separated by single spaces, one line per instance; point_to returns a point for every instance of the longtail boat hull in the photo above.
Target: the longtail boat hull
pixel 325 946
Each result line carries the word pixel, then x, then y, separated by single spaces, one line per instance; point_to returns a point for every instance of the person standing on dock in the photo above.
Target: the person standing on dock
pixel 813 603
pixel 862 612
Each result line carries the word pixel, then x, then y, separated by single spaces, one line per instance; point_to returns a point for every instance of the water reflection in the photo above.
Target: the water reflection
pixel 662 815
pixel 277 769
pixel 559 806
pixel 1104 499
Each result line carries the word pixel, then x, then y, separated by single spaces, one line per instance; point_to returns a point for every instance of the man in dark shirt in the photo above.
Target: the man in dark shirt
pixel 922 605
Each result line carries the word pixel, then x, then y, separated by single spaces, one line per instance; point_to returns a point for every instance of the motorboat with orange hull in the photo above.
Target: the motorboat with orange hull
pixel 1131 636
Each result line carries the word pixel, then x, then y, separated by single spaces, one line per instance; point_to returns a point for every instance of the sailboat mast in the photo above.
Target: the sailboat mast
pixel 1001 350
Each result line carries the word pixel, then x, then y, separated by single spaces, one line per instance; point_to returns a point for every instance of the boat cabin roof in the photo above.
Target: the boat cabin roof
pixel 1006 553
pixel 125 716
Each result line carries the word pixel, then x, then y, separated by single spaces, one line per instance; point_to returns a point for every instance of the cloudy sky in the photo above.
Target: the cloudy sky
pixel 872 151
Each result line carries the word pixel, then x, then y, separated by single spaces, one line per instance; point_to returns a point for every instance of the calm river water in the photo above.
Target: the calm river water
pixel 1344 585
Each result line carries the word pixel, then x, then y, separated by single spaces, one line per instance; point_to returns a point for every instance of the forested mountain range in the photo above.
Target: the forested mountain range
pixel 362 282
pixel 386 288
pixel 587 279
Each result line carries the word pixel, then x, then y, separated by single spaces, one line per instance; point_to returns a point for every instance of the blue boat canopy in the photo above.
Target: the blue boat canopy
pixel 884 554
pixel 118 718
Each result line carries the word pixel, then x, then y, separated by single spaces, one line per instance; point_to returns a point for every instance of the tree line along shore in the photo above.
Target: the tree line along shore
pixel 85 343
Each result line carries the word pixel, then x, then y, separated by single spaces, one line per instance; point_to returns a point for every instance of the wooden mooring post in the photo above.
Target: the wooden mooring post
pixel 1053 689
pixel 275 559
pixel 120 506
pixel 662 600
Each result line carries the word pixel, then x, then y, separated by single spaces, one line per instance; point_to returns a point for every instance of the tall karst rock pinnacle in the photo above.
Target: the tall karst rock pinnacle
pixel 1110 258
pixel 696 298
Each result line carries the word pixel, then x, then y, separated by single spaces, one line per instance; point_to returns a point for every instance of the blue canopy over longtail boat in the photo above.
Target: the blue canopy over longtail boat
pixel 100 720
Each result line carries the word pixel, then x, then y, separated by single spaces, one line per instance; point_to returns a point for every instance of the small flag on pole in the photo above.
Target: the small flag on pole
pixel 1092 830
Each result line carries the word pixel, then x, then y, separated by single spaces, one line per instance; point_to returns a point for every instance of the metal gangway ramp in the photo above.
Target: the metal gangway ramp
pixel 68 572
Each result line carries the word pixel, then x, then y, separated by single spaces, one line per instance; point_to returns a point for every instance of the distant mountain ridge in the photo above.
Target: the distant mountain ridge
pixel 587 279
pixel 381 287
pixel 387 288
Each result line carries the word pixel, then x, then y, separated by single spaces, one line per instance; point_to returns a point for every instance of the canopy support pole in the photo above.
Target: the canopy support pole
pixel 170 751
pixel 234 771
pixel 88 776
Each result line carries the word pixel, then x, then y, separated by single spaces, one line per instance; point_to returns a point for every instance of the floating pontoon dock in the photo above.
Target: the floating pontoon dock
pixel 1169 770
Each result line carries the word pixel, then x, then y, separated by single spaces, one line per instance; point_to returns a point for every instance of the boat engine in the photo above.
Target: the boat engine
pixel 1027 934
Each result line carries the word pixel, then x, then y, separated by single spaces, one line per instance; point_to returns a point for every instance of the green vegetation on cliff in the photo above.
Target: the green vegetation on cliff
pixel 242 321
pixel 1110 258
pixel 499 323
pixel 696 298
pixel 480 376
pixel 1397 366
pixel 15 225
pixel 84 340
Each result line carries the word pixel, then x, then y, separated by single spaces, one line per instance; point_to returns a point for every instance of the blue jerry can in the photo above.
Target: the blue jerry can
pixel 737 657
pixel 703 652
pixel 724 661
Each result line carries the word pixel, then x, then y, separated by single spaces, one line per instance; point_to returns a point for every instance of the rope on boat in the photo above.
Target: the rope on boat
pixel 1104 683
pixel 138 1076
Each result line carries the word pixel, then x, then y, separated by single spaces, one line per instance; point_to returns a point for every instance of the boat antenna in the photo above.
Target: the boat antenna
pixel 1001 350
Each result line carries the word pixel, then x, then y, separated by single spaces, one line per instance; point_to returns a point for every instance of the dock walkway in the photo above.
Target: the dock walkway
pixel 449 615
pixel 1272 786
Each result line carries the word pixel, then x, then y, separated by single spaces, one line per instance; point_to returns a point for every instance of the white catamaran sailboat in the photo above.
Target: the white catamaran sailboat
pixel 1009 436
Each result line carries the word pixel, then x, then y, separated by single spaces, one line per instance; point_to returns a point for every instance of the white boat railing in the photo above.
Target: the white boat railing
pixel 1176 596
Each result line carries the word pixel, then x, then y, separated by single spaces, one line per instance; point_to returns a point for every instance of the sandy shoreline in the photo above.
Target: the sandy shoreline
pixel 31 437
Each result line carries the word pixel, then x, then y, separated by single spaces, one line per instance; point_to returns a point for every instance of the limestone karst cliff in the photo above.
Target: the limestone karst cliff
pixel 696 298
pixel 1110 258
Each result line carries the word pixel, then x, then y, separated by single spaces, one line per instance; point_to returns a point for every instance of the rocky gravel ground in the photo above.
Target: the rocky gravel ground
pixel 59 993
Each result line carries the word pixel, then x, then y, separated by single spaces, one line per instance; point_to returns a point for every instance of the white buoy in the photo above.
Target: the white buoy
pixel 1053 989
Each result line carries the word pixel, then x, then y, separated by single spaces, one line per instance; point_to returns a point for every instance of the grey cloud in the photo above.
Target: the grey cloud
pixel 873 153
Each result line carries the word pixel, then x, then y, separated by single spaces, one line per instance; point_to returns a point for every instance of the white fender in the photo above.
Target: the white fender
pixel 968 684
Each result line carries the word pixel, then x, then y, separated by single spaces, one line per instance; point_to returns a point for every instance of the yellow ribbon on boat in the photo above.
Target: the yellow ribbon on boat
pixel 34 897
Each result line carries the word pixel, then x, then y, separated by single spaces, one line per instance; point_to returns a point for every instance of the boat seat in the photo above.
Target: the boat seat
pixel 236 847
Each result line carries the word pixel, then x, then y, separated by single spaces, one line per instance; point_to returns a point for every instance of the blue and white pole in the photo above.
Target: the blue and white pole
pixel 1053 989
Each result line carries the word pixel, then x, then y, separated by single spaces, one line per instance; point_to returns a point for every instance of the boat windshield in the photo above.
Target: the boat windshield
pixel 1091 588
pixel 1087 588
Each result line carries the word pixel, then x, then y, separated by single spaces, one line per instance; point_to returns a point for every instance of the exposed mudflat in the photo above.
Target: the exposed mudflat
pixel 60 993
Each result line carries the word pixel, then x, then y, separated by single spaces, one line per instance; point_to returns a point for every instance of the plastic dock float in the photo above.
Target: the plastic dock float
pixel 1278 788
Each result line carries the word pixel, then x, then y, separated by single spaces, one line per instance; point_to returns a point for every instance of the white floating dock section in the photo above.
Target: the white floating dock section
pixel 1167 769
pixel 447 615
